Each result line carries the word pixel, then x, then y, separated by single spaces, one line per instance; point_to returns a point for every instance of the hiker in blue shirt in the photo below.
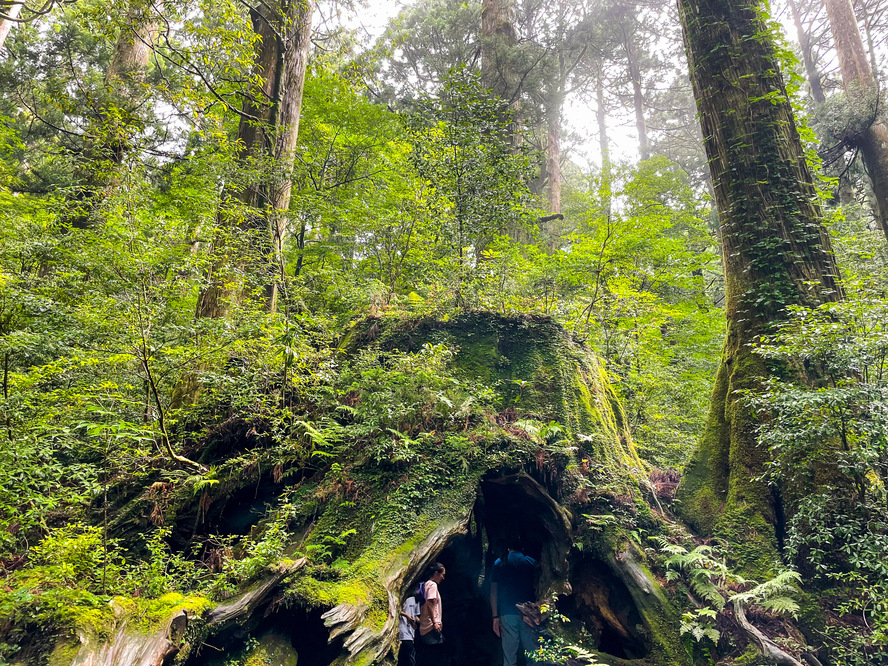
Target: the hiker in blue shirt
pixel 512 583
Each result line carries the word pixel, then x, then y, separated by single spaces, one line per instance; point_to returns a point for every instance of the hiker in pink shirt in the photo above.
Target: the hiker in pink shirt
pixel 430 644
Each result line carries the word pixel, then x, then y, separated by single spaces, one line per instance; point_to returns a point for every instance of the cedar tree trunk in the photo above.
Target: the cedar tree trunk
pixel 11 11
pixel 497 39
pixel 268 127
pixel 776 253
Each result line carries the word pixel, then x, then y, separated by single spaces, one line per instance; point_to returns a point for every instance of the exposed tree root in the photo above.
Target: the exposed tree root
pixel 765 645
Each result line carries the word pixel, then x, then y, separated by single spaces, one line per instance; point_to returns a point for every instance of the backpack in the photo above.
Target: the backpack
pixel 420 593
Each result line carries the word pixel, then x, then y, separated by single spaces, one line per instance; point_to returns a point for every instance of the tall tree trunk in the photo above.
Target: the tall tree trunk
pixel 553 150
pixel 132 52
pixel 498 37
pixel 776 253
pixel 269 126
pixel 811 72
pixel 11 11
pixel 113 128
pixel 644 147
pixel 603 145
pixel 857 77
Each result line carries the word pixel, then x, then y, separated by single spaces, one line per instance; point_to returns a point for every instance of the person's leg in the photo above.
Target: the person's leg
pixel 407 654
pixel 528 640
pixel 510 633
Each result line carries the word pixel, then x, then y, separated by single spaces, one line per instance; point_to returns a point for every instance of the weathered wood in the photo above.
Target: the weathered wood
pixel 233 612
pixel 129 647
pixel 364 643
pixel 765 645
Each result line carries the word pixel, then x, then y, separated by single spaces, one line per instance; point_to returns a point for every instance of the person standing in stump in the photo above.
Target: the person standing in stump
pixel 431 650
pixel 407 623
pixel 512 583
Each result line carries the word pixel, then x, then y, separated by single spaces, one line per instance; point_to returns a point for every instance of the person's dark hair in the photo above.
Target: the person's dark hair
pixel 515 543
pixel 437 567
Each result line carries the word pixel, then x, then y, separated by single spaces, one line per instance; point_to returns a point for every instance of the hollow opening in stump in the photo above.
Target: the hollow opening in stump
pixel 283 637
pixel 507 506
pixel 602 613
pixel 601 607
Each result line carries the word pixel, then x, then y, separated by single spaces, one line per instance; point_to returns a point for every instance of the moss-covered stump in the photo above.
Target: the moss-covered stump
pixel 453 437
pixel 139 633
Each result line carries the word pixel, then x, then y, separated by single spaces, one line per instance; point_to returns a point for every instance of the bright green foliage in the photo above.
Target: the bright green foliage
pixel 710 580
pixel 832 441
pixel 478 184
pixel 641 283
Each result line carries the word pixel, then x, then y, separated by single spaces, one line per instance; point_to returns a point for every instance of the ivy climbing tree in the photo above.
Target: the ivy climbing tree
pixel 776 253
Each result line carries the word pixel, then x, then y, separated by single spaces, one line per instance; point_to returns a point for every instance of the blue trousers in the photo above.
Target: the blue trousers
pixel 515 635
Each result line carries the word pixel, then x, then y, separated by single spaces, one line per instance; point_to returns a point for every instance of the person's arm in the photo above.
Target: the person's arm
pixel 434 603
pixel 493 607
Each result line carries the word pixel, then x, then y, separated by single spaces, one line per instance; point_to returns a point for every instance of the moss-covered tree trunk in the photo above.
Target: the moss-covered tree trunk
pixel 269 128
pixel 776 253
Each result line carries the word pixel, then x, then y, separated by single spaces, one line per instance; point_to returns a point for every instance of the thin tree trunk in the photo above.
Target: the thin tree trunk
pixel 269 126
pixel 11 12
pixel 603 145
pixel 811 72
pixel 857 77
pixel 644 148
pixel 868 31
pixel 776 253
pixel 553 151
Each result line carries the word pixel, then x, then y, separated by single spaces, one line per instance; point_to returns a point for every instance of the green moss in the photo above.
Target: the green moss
pixel 271 650
pixel 97 622
pixel 752 657
pixel 721 493
pixel 63 654
pixel 151 614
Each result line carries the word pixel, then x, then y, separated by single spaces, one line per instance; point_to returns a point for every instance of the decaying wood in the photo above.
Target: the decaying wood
pixel 764 644
pixel 129 648
pixel 242 606
pixel 346 619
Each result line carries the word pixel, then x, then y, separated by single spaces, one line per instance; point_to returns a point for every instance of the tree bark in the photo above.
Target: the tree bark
pixel 776 253
pixel 11 11
pixel 133 49
pixel 269 127
pixel 857 77
pixel 497 39
pixel 553 151
pixel 116 122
